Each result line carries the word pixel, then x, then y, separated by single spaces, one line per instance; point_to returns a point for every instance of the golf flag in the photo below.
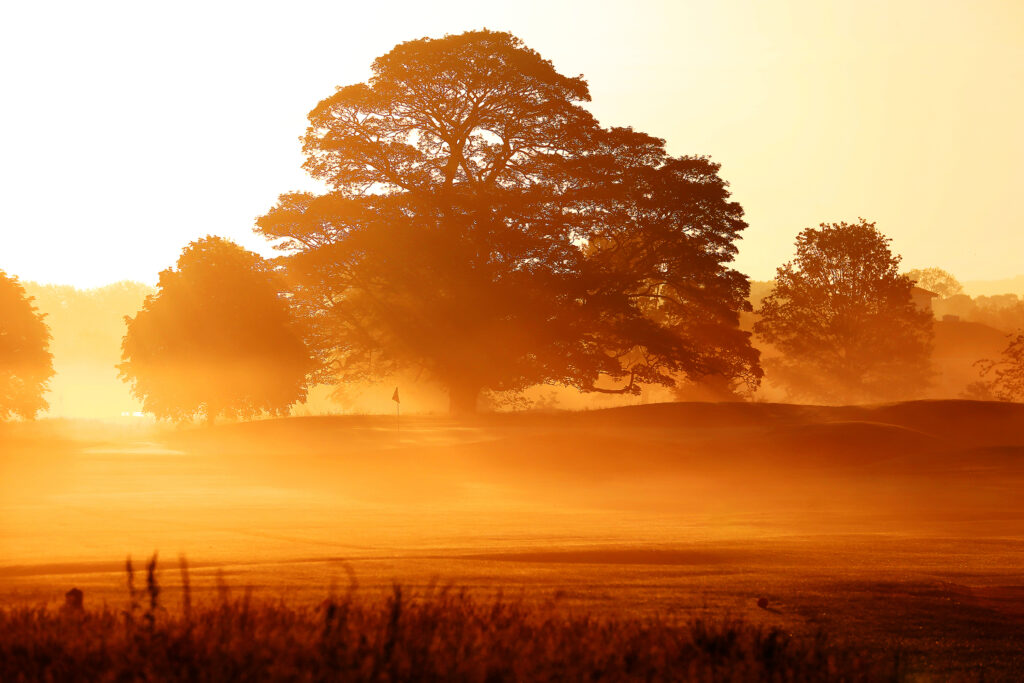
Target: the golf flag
pixel 394 396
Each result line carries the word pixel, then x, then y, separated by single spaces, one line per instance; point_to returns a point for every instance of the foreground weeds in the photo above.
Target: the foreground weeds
pixel 438 635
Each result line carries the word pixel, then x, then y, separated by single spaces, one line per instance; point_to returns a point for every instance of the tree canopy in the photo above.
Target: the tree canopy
pixel 936 280
pixel 483 228
pixel 216 339
pixel 26 364
pixel 843 319
pixel 1002 378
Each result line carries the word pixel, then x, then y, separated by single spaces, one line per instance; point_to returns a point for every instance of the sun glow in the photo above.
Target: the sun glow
pixel 132 130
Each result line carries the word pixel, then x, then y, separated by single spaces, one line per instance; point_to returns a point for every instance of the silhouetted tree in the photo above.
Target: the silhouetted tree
pixel 217 338
pixel 842 317
pixel 26 364
pixel 1002 379
pixel 482 227
pixel 936 280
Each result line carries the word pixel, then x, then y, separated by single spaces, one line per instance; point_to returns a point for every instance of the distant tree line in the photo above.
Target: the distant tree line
pixel 1004 312
pixel 482 229
pixel 87 324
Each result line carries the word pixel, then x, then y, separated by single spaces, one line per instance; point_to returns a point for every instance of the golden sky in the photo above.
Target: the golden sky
pixel 130 129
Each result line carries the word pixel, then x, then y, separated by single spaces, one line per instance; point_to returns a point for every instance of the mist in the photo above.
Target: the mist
pixel 496 396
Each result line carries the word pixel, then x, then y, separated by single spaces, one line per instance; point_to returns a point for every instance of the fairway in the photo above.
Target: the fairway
pixel 897 525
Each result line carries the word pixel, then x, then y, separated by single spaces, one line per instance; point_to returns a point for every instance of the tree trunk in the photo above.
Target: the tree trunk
pixel 463 398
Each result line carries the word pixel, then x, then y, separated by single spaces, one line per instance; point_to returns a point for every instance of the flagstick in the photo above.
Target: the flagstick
pixel 398 411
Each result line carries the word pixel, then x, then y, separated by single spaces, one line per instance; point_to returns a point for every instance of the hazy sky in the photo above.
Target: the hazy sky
pixel 129 129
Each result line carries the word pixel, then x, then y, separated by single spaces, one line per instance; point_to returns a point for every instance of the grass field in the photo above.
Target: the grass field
pixel 893 528
pixel 436 635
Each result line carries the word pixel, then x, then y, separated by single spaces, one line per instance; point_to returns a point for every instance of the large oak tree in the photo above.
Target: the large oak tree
pixel 482 227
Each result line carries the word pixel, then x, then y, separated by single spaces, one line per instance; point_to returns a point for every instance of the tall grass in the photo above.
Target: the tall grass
pixel 434 635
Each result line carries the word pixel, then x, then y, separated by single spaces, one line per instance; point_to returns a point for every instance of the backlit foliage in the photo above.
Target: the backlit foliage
pixel 844 321
pixel 1002 378
pixel 482 228
pixel 217 338
pixel 936 280
pixel 26 364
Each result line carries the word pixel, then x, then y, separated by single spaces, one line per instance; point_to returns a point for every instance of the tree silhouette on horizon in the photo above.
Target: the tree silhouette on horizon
pixel 483 228
pixel 936 280
pixel 216 339
pixel 26 364
pixel 843 319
